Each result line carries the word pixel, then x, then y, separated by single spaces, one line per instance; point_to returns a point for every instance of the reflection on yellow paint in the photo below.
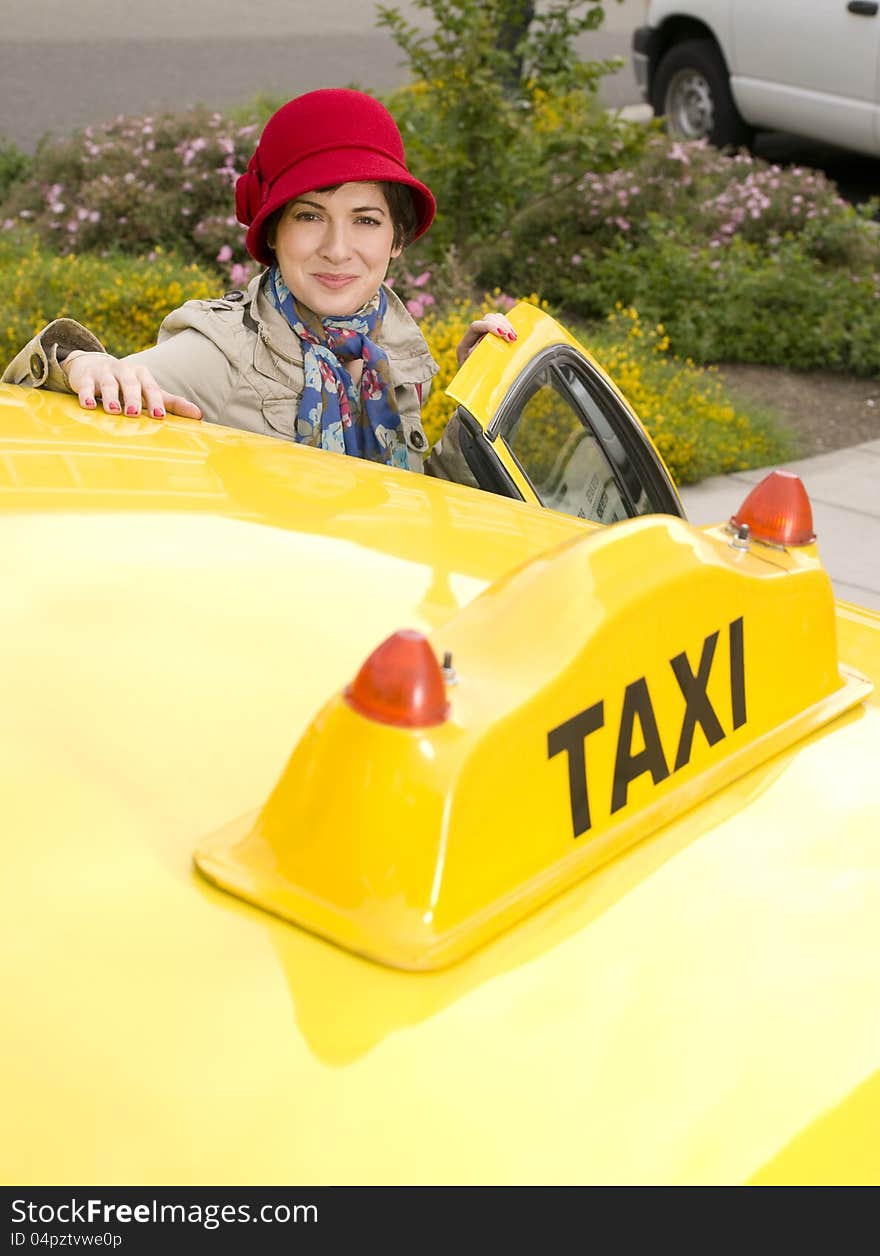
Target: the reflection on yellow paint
pixel 840 1148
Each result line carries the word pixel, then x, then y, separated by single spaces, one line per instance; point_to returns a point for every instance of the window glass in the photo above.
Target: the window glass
pixel 562 456
pixel 591 401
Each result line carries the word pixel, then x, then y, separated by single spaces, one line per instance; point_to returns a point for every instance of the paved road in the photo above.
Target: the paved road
pixel 64 66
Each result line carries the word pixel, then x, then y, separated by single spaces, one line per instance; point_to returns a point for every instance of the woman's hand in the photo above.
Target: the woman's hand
pixel 497 324
pixel 92 375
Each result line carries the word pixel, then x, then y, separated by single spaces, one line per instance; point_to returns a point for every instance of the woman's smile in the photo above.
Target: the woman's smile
pixel 333 281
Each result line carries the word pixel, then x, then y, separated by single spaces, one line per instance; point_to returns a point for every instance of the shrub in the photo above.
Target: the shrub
pixel 14 166
pixel 137 184
pixel 121 299
pixel 740 260
pixel 499 109
pixel 696 428
pixel 706 195
pixel 779 308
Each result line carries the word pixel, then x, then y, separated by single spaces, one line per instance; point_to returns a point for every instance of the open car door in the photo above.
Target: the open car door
pixel 543 422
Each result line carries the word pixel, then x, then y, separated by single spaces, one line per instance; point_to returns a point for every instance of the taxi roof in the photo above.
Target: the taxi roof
pixel 179 602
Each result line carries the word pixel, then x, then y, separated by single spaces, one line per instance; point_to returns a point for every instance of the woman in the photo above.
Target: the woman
pixel 318 350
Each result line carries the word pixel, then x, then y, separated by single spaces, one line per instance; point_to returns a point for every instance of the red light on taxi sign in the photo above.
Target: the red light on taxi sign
pixel 777 510
pixel 401 683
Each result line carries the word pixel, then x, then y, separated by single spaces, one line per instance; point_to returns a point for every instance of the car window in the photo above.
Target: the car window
pixel 599 408
pixel 561 454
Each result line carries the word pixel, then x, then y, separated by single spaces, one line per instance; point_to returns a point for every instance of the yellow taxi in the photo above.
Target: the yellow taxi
pixel 363 827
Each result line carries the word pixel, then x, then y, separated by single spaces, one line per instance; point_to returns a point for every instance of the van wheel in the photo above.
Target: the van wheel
pixel 691 89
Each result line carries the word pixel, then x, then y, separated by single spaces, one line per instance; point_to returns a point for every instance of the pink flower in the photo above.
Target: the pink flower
pixel 238 274
pixel 225 254
pixel 416 307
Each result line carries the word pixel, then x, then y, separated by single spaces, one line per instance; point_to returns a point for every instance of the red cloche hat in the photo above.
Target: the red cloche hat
pixel 326 137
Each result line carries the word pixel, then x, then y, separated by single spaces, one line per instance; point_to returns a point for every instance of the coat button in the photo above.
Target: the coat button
pixel 417 439
pixel 37 368
pixel 235 295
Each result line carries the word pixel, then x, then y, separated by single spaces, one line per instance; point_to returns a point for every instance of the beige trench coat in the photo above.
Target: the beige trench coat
pixel 238 360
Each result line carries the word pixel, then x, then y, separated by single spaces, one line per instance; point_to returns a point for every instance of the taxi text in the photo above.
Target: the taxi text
pixel 571 736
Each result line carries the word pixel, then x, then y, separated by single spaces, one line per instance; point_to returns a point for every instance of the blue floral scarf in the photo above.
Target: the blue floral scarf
pixel 334 413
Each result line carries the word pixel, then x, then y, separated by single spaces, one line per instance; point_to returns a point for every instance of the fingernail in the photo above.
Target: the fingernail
pixel 90 402
pixel 114 406
pixel 158 414
pixel 131 410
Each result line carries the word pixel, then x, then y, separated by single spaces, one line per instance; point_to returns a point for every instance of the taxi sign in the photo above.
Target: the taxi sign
pixel 601 689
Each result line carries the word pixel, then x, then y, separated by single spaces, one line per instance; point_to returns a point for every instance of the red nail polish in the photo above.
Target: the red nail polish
pixel 113 406
pixel 158 414
pixel 131 410
pixel 90 402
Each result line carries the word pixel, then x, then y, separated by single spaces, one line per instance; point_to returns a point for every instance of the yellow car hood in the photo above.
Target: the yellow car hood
pixel 178 601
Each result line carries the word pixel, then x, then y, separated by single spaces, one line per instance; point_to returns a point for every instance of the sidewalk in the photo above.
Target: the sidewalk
pixel 844 489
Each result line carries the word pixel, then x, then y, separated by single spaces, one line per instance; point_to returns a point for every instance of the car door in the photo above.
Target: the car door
pixel 811 67
pixel 548 427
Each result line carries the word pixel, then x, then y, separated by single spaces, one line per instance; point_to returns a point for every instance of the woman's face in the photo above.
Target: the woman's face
pixel 333 248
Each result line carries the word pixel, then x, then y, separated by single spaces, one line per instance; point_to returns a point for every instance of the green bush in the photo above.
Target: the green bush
pixel 779 308
pixel 501 111
pixel 740 260
pixel 14 167
pixel 121 299
pixel 137 184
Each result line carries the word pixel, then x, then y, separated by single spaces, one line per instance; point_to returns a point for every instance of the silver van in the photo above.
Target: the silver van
pixel 724 69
